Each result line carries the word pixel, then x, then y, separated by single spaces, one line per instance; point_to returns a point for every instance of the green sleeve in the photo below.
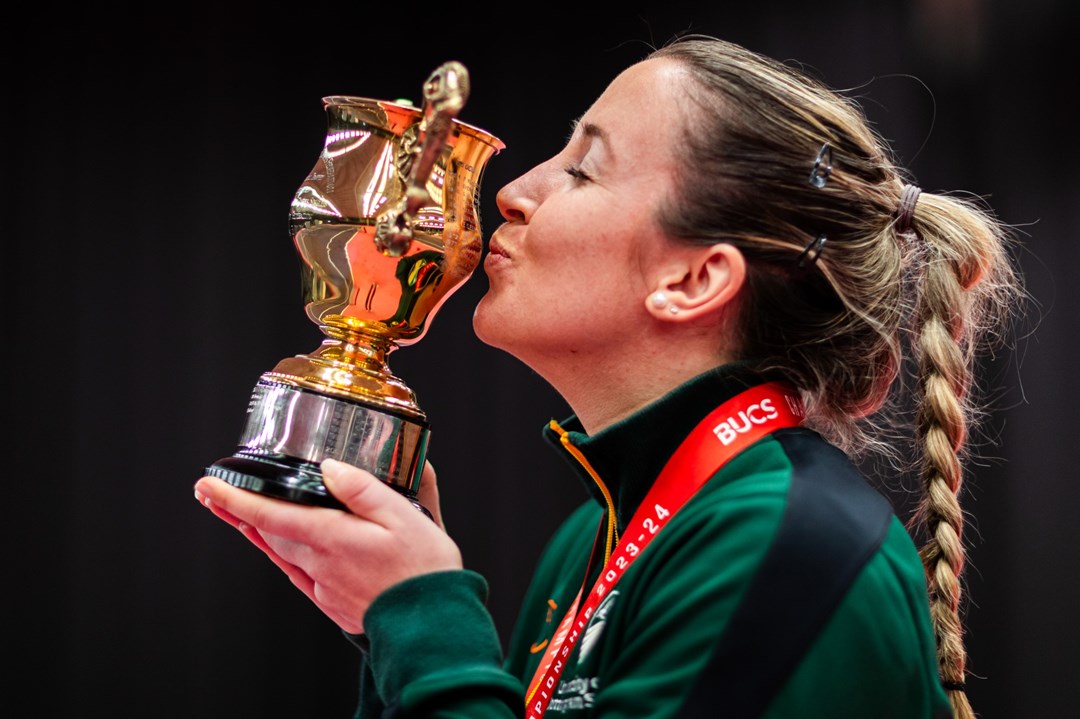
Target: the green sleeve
pixel 434 651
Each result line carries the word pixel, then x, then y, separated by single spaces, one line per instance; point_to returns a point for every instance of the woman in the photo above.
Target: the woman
pixel 719 229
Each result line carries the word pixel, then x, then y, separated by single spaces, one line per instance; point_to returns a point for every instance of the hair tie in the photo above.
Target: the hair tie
pixel 954 686
pixel 906 211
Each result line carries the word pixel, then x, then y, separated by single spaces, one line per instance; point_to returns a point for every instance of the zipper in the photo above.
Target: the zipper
pixel 612 530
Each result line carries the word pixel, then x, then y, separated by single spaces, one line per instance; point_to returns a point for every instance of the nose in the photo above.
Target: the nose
pixel 518 199
pixel 510 202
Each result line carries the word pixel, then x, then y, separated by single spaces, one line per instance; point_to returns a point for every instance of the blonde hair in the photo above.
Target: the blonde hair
pixel 877 298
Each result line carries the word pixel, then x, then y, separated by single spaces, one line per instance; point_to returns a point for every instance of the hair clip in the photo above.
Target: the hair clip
pixel 813 251
pixel 822 167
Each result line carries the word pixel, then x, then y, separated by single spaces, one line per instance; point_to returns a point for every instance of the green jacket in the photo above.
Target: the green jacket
pixel 432 649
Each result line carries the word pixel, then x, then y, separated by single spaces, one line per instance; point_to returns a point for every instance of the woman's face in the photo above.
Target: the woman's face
pixel 580 251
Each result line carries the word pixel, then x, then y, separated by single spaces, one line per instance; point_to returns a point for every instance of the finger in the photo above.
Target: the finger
pixel 218 511
pixel 296 575
pixel 348 623
pixel 365 495
pixel 428 494
pixel 300 579
pixel 350 619
pixel 252 534
pixel 275 547
pixel 269 514
pixel 328 601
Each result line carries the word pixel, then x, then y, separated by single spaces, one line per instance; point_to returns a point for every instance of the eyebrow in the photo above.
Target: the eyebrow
pixel 590 130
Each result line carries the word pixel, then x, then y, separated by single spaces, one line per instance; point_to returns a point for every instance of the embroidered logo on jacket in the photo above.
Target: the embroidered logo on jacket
pixel 595 627
pixel 574 694
pixel 538 647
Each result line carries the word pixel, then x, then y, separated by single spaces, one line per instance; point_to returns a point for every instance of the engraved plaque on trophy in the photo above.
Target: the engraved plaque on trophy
pixel 387 226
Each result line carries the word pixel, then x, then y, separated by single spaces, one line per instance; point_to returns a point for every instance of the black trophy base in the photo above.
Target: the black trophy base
pixel 284 478
pixel 281 477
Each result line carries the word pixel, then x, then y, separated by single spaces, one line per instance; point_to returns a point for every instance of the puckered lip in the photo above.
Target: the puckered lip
pixel 496 248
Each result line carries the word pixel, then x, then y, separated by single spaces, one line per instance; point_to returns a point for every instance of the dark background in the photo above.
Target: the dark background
pixel 149 159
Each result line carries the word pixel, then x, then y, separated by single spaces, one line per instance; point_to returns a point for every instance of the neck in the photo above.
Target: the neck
pixel 602 392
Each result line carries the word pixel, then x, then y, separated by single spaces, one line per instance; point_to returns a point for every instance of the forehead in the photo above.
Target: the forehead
pixel 642 112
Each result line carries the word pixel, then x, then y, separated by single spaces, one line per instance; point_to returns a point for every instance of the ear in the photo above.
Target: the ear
pixel 703 282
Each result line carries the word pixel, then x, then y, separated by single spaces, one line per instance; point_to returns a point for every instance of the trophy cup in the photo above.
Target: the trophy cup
pixel 387 226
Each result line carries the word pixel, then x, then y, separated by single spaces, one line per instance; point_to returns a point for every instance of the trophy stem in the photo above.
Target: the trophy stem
pixel 351 364
pixel 364 350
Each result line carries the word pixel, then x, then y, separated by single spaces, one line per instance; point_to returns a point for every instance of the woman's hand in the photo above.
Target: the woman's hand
pixel 341 561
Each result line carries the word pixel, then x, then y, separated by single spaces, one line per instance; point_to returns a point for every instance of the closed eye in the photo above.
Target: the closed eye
pixel 577 173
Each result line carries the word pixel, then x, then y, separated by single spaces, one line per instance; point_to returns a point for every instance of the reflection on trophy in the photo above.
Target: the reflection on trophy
pixel 387 226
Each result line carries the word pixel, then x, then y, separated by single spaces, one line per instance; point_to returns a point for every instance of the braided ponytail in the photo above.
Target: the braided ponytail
pixel 964 284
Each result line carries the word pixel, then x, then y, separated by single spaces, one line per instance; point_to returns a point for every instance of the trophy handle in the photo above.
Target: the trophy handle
pixel 445 93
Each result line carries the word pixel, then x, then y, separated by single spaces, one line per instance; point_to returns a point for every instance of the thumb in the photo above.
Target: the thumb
pixel 361 492
pixel 428 494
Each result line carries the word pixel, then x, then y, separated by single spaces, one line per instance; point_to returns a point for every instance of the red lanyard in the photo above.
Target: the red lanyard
pixel 730 428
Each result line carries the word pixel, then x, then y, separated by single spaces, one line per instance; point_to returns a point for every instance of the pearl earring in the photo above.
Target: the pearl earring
pixel 659 300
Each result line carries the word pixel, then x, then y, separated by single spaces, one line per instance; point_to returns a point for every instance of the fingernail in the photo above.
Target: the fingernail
pixel 329 466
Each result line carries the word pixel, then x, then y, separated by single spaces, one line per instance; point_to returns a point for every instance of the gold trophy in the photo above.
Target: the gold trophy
pixel 387 226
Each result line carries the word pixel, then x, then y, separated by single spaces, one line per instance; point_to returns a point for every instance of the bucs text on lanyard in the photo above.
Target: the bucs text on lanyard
pixel 726 431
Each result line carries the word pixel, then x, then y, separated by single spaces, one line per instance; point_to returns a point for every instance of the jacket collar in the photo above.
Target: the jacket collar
pixel 628 455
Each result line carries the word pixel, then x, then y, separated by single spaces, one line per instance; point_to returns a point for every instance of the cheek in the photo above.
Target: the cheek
pixel 582 245
pixel 589 288
pixel 580 251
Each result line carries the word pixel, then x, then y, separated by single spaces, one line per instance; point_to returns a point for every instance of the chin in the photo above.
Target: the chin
pixel 482 322
pixel 495 329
